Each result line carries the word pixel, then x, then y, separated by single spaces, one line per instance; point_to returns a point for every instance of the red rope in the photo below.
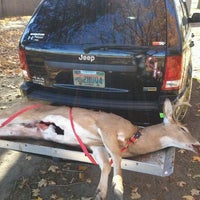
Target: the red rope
pixel 83 147
pixel 12 117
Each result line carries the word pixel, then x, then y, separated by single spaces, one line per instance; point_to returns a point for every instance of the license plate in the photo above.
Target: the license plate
pixel 89 78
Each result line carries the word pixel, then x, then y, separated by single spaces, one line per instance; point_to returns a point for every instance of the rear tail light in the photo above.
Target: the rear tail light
pixel 173 72
pixel 23 64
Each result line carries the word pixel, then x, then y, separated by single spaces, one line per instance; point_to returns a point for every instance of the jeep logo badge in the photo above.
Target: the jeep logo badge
pixel 86 58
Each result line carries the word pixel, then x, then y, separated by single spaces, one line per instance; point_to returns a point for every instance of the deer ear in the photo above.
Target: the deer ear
pixel 168 112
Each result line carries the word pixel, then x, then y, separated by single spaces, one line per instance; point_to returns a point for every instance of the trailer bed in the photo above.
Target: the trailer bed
pixel 160 163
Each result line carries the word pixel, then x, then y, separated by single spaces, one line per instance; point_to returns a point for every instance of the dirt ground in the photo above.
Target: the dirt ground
pixel 32 177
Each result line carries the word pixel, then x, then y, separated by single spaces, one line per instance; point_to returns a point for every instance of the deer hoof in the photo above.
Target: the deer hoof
pixel 99 195
pixel 118 195
pixel 118 187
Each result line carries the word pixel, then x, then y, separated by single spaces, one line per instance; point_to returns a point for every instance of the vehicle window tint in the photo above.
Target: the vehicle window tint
pixel 136 22
pixel 182 17
pixel 172 25
pixel 185 15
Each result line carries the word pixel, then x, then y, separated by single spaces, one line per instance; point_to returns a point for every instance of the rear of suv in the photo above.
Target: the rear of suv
pixel 123 56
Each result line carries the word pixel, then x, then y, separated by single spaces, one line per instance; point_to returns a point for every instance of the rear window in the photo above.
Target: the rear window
pixel 79 22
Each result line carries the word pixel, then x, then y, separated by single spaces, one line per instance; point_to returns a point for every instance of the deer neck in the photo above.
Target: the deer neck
pixel 149 141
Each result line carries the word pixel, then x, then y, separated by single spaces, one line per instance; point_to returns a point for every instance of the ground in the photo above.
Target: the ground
pixel 31 177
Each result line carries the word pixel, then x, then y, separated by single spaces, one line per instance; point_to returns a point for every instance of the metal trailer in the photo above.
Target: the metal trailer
pixel 160 163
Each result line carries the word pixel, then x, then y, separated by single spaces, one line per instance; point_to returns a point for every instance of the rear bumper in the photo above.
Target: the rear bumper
pixel 53 95
pixel 139 112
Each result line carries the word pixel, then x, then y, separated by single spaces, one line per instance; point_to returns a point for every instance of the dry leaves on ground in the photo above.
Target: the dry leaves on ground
pixel 23 183
pixel 135 194
pixel 11 30
pixel 55 177
pixel 196 159
pixel 42 183
pixel 35 192
pixel 53 168
pixel 181 183
pixel 195 194
pixel 188 197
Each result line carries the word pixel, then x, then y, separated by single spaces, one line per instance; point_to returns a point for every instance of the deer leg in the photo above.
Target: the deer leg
pixel 117 178
pixel 102 158
pixel 112 146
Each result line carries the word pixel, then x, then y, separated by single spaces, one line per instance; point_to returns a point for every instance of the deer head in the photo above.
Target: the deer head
pixel 178 134
pixel 170 133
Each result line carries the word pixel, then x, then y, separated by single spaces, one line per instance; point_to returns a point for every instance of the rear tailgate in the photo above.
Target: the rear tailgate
pixel 99 49
pixel 135 75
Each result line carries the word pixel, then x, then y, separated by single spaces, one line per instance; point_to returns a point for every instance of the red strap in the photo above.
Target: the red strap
pixel 131 140
pixel 83 147
pixel 19 113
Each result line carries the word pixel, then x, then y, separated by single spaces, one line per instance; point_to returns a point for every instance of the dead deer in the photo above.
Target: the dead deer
pixel 105 134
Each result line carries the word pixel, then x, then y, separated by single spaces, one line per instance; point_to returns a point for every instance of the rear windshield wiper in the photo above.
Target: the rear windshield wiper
pixel 117 47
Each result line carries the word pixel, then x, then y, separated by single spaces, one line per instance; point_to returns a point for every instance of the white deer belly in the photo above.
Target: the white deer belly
pixel 69 136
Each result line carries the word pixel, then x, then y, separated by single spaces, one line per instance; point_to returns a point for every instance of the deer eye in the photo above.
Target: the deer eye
pixel 184 129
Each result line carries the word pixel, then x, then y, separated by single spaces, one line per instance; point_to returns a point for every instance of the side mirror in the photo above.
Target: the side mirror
pixel 195 18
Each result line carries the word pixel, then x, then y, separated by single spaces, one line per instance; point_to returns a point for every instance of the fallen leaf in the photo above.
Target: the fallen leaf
pixel 23 183
pixel 35 192
pixel 64 179
pixel 39 198
pixel 67 166
pixel 88 180
pixel 54 196
pixel 28 157
pixel 196 176
pixel 42 172
pixel 82 167
pixel 81 176
pixel 182 151
pixel 187 197
pixel 196 159
pixel 166 189
pixel 51 183
pixel 53 168
pixel 135 194
pixel 42 183
pixel 135 189
pixel 181 183
pixel 195 192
